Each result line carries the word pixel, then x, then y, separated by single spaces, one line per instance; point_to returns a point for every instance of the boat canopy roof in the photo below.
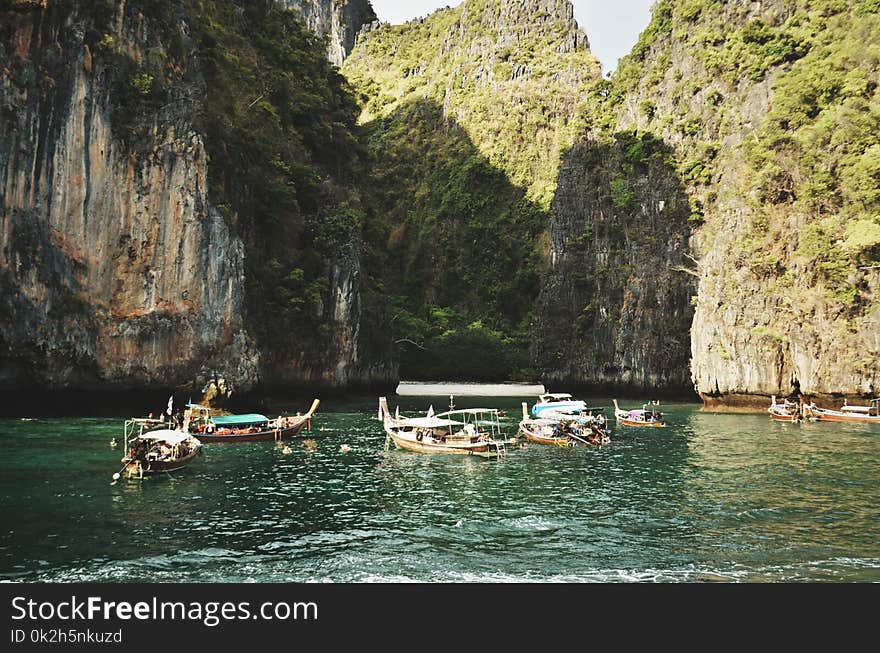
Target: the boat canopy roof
pixel 429 422
pixel 556 395
pixel 468 411
pixel 575 410
pixel 166 435
pixel 240 420
pixel 198 407
pixel 856 409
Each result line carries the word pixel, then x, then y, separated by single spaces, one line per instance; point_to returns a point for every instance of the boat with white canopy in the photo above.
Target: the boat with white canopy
pixel 151 450
pixel 468 431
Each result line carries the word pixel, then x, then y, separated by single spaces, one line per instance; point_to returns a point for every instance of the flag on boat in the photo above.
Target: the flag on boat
pixel 431 410
pixel 170 404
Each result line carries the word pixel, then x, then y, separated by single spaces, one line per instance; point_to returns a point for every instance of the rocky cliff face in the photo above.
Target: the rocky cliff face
pixel 788 291
pixel 615 308
pixel 340 22
pixel 771 147
pixel 116 268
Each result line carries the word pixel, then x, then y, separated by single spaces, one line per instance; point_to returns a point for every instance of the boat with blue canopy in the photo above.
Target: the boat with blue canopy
pixel 245 427
pixel 566 428
pixel 555 401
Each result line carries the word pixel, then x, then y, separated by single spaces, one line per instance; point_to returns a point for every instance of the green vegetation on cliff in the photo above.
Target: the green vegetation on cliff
pixel 467 113
pixel 817 156
pixel 280 128
pixel 813 157
pixel 772 110
pixel 285 160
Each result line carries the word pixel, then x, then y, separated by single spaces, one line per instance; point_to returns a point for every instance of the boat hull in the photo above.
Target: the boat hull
pixel 482 449
pixel 138 468
pixel 260 436
pixel 625 417
pixel 543 439
pixel 626 421
pixel 784 418
pixel 822 415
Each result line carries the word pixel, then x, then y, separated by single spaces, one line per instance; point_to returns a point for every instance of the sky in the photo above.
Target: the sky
pixel 612 26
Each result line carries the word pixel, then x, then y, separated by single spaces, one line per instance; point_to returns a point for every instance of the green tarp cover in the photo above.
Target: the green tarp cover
pixel 240 420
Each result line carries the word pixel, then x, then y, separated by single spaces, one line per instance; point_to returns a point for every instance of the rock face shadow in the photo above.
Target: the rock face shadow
pixel 461 239
pixel 614 312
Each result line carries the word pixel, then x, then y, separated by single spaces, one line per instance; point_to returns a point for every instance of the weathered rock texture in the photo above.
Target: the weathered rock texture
pixel 771 147
pixel 615 308
pixel 339 20
pixel 115 268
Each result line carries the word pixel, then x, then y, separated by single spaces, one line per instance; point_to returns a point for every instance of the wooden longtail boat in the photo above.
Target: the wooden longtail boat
pixel 158 450
pixel 565 429
pixel 847 413
pixel 468 432
pixel 251 427
pixel 644 417
pixel 544 431
pixel 787 411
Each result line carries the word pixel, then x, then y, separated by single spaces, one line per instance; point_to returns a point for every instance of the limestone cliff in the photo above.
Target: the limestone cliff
pixel 614 310
pixel 340 22
pixel 114 266
pixel 119 267
pixel 769 111
pixel 467 113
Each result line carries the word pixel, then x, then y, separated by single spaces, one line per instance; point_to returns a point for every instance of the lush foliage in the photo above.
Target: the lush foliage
pixel 467 115
pixel 812 161
pixel 280 123
pixel 817 154
pixel 443 344
pixel 460 238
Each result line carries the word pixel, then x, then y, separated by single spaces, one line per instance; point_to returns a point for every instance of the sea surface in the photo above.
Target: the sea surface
pixel 711 498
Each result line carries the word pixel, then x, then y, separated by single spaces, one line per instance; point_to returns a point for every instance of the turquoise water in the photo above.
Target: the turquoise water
pixel 711 498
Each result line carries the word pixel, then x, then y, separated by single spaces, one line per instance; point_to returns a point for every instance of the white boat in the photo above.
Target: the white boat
pixel 787 411
pixel 847 413
pixel 556 401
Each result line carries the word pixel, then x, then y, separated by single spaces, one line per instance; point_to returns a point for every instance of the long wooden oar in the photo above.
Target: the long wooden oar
pixel 572 435
pixel 117 474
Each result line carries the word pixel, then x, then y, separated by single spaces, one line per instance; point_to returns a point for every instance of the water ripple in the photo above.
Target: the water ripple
pixel 714 498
